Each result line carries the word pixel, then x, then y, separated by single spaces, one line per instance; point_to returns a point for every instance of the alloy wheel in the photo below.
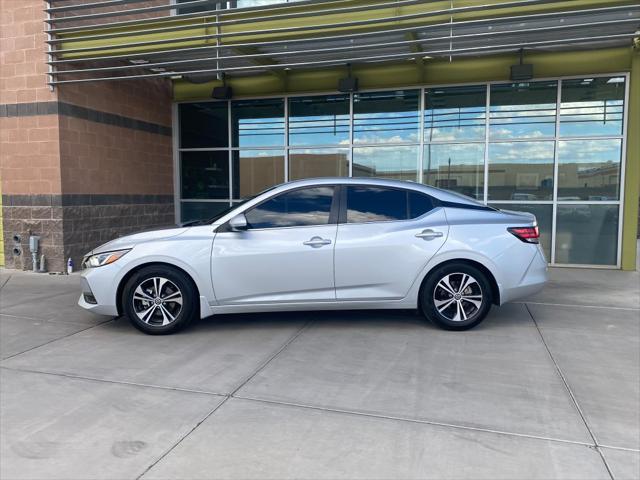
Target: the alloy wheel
pixel 458 297
pixel 157 301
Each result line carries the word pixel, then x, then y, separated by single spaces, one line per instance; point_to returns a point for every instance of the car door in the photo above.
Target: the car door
pixel 385 238
pixel 286 253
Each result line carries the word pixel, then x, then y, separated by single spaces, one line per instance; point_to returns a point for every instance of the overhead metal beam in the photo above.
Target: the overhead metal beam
pixel 302 28
pixel 415 45
pixel 283 36
pixel 269 17
pixel 353 36
pixel 374 58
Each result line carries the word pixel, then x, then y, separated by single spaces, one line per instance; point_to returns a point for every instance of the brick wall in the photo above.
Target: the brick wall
pixel 82 164
pixel 125 167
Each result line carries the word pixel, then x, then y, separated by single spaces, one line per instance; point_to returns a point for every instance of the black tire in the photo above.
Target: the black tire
pixel 175 285
pixel 456 310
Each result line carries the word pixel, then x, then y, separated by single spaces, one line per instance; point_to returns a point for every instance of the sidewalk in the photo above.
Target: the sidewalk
pixel 546 389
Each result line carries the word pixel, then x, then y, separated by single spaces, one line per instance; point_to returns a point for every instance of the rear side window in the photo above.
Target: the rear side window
pixel 298 208
pixel 381 204
pixel 419 204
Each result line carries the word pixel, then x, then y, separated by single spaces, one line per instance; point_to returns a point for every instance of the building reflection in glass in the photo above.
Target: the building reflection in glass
pixel 399 163
pixel 256 170
pixel 521 171
pixel 314 163
pixel 457 167
pixel 589 169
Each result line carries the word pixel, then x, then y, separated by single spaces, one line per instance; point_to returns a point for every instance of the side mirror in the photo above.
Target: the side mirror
pixel 238 223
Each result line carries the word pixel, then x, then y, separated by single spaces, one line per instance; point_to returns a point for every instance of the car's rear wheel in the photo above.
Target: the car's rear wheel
pixel 159 300
pixel 456 296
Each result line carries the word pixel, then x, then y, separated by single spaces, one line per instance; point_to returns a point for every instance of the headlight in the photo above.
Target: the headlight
pixel 101 259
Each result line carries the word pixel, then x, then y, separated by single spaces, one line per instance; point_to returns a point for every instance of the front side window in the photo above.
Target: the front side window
pixel 378 204
pixel 297 208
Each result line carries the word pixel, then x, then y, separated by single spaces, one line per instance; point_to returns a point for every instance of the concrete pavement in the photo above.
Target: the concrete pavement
pixel 544 389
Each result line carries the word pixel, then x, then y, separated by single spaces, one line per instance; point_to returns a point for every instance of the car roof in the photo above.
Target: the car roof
pixel 438 193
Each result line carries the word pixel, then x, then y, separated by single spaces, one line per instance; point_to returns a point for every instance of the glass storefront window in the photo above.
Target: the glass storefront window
pixel 203 125
pixel 544 216
pixel 592 106
pixel 589 169
pixel 455 113
pixel 399 163
pixel 523 110
pixel 458 167
pixel 587 234
pixel 256 170
pixel 205 174
pixel 190 211
pixel 229 150
pixel 521 171
pixel 318 162
pixel 257 123
pixel 386 117
pixel 322 120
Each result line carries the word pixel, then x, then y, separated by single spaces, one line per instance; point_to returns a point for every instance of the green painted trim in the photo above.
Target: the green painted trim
pixel 632 170
pixel 406 74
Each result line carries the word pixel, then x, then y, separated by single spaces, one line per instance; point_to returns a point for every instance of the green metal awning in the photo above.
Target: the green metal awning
pixel 133 39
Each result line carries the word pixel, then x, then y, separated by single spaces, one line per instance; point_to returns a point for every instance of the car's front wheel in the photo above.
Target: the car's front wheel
pixel 456 296
pixel 159 300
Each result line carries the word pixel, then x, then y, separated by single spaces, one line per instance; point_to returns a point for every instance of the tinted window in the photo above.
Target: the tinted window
pixel 306 206
pixel 419 204
pixel 379 204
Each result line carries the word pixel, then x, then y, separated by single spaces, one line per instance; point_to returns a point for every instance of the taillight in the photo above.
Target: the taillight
pixel 526 234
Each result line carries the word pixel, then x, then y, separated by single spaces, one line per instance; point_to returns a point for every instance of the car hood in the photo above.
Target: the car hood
pixel 129 241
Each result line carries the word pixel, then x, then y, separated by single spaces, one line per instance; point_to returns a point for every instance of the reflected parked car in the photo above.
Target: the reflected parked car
pixel 331 243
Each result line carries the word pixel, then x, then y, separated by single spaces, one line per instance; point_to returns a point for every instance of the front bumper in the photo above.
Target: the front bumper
pixel 99 290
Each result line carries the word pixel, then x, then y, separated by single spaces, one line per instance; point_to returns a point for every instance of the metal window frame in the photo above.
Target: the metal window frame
pixel 422 142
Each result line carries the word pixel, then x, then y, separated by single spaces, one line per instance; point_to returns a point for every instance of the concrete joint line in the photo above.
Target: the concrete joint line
pixel 622 449
pixel 55 339
pixel 412 420
pixel 46 297
pixel 115 382
pixel 571 394
pixel 46 320
pixel 230 395
pixel 170 449
pixel 5 282
pixel 272 357
pixel 631 309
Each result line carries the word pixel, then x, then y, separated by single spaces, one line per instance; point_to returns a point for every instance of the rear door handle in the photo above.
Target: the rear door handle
pixel 317 242
pixel 429 234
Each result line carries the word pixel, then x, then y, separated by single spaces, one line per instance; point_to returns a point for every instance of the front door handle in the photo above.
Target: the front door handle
pixel 317 242
pixel 428 234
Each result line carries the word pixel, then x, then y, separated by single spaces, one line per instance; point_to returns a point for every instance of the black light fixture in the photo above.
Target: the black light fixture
pixel 348 84
pixel 521 71
pixel 222 93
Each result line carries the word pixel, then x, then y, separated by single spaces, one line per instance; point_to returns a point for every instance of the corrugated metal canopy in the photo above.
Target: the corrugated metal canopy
pixel 125 39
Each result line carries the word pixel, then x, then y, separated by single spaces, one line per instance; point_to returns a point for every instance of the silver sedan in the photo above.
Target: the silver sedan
pixel 330 243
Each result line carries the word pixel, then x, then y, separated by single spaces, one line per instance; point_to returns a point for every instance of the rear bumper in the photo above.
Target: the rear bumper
pixel 533 280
